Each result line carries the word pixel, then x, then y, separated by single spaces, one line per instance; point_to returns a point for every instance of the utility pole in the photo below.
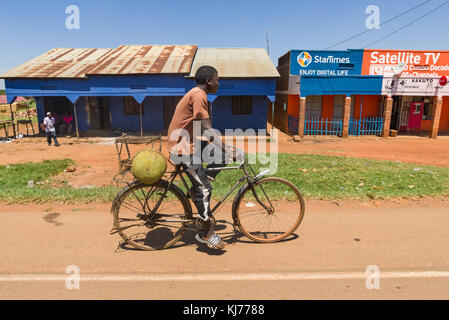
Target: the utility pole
pixel 272 103
pixel 268 46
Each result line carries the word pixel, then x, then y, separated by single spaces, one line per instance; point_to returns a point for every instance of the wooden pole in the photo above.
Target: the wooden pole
pixel 12 121
pixel 76 121
pixel 140 114
pixel 272 118
pixel 29 118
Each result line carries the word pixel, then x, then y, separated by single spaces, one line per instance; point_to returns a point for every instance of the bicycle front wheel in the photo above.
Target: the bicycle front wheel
pixel 151 217
pixel 270 210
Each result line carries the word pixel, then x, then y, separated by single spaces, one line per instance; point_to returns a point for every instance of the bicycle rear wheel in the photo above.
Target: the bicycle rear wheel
pixel 151 217
pixel 270 211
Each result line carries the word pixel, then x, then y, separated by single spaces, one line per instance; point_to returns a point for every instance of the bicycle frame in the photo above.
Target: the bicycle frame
pixel 246 176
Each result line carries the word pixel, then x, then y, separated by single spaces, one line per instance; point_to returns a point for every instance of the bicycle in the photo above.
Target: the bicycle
pixel 161 212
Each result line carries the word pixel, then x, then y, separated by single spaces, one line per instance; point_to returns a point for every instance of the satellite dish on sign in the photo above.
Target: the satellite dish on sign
pixel 397 69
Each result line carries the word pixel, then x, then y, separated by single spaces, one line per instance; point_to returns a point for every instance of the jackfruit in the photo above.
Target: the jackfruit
pixel 148 166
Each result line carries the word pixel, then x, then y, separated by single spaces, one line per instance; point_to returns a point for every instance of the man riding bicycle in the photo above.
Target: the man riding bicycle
pixel 193 111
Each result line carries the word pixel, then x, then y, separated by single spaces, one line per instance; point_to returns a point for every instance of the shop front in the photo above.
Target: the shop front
pixel 417 83
pixel 313 75
pixel 376 90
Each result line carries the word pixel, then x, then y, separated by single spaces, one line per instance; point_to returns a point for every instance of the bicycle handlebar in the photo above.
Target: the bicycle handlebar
pixel 242 154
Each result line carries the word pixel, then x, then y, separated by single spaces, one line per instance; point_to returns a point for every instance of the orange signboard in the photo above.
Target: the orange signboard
pixel 413 63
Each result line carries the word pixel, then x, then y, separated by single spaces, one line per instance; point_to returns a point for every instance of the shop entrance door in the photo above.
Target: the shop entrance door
pixel 415 115
pixel 99 113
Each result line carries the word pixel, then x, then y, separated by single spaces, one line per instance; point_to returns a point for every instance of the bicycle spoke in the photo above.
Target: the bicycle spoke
pixel 163 220
pixel 129 206
pixel 281 220
pixel 129 219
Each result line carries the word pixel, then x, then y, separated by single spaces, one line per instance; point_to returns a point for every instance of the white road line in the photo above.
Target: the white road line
pixel 222 276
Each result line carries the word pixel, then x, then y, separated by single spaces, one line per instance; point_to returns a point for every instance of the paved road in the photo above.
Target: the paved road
pixel 327 259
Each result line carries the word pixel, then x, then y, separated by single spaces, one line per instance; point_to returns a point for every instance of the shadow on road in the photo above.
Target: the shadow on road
pixel 188 238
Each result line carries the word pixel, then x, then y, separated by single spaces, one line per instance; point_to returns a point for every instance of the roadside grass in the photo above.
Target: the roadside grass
pixel 316 176
pixel 8 118
pixel 32 182
pixel 330 177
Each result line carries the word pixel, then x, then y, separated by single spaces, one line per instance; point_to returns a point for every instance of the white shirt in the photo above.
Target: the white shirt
pixel 49 124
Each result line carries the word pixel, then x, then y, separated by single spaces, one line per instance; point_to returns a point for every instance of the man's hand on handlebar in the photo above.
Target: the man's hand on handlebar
pixel 235 153
pixel 231 152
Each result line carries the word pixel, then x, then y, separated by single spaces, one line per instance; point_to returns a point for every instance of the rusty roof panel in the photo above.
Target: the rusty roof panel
pixel 125 59
pixel 236 62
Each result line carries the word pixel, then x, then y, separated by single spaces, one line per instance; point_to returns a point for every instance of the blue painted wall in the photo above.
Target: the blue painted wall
pixel 40 110
pixel 222 117
pixel 367 85
pixel 81 114
pixel 138 86
pixel 152 118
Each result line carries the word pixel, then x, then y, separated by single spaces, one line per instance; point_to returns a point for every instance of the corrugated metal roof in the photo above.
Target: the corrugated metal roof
pixel 125 59
pixel 3 99
pixel 236 62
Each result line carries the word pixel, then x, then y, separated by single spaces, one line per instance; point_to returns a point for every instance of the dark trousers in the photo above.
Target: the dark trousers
pixel 67 128
pixel 201 187
pixel 50 135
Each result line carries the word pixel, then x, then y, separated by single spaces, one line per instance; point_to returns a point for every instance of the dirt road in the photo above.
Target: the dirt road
pixel 326 259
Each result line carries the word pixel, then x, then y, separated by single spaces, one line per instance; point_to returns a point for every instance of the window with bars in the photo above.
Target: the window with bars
pixel 131 107
pixel 242 105
pixel 339 102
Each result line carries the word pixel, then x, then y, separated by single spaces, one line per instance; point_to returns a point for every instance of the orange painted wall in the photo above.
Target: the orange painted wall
pixel 370 106
pixel 293 105
pixel 327 107
pixel 357 103
pixel 444 118
pixel 425 125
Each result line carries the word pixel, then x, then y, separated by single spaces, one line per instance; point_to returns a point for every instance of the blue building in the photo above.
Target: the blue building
pixel 136 88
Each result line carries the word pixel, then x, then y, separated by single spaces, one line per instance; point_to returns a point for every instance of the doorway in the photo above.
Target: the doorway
pixel 395 113
pixel 409 112
pixel 169 105
pixel 99 113
pixel 415 115
pixel 58 106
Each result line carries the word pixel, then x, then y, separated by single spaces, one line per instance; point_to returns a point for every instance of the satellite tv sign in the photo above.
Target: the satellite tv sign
pixel 416 63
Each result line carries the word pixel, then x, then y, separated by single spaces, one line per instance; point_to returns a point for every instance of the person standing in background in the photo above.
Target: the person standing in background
pixel 67 124
pixel 50 130
pixel 59 124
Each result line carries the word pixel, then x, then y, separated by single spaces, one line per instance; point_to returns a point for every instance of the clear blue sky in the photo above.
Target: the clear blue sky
pixel 29 28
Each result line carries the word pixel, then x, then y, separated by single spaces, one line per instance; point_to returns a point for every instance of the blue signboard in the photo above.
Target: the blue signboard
pixel 326 63
pixel 332 85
